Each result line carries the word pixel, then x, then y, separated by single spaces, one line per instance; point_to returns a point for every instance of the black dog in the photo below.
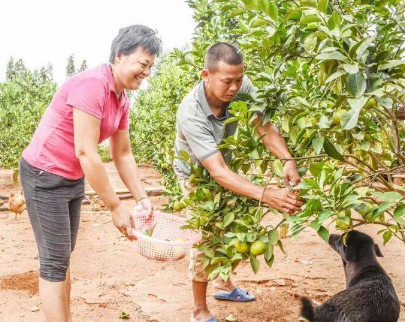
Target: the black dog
pixel 369 295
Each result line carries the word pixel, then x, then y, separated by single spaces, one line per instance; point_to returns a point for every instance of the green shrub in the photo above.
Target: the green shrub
pixel 23 100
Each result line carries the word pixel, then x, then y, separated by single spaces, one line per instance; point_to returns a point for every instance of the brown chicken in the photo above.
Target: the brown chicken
pixel 16 204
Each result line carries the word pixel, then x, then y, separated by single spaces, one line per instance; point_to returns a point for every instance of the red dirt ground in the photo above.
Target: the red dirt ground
pixel 109 277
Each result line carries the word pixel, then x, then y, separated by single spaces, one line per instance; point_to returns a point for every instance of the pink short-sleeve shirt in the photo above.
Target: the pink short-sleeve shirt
pixel 93 91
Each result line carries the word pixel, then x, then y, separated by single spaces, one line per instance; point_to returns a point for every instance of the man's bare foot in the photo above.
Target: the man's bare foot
pixel 200 315
pixel 227 285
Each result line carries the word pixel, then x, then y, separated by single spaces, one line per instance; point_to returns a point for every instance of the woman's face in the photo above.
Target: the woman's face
pixel 131 70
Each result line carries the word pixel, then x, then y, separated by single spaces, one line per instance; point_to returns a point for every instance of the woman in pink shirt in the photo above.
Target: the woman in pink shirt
pixel 89 108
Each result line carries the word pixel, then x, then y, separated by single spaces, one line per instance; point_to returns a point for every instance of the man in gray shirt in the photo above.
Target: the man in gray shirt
pixel 200 129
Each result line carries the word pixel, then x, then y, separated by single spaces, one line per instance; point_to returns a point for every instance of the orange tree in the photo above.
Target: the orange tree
pixel 330 74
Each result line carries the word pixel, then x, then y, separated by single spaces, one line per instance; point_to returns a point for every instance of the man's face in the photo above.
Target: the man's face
pixel 225 81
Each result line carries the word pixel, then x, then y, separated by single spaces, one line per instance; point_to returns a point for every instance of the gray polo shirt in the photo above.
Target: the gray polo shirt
pixel 199 131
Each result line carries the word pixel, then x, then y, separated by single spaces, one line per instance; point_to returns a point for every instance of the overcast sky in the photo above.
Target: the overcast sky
pixel 44 31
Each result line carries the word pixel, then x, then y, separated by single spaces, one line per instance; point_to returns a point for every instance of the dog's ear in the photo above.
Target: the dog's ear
pixel 378 251
pixel 351 253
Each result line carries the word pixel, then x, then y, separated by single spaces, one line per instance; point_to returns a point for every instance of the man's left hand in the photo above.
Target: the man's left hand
pixel 290 174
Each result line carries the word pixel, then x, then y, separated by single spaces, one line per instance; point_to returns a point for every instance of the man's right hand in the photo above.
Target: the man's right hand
pixel 283 200
pixel 122 219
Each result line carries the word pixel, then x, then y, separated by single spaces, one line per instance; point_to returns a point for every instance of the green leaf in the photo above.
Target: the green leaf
pixel 315 225
pixel 280 245
pixel 208 252
pixel 285 125
pixel 272 12
pixel 269 252
pixel 217 198
pixel 387 236
pixel 357 84
pixel 400 220
pixel 241 236
pixel 365 145
pixel 334 55
pixel 254 262
pixel 386 102
pixel 254 154
pixel 317 144
pixel 323 5
pixel 335 75
pixel 357 103
pixel 227 7
pixel 363 47
pixel 391 196
pixel 302 171
pixel 214 273
pixel 231 120
pixel 309 3
pixel 270 261
pixel 391 63
pixel 399 212
pixel 323 122
pixel 263 5
pixel 236 12
pixel 349 119
pixel 184 155
pixel 229 218
pixel 259 22
pixel 316 205
pixel 351 68
pixel 323 233
pixel 315 168
pixel 358 136
pixel 309 19
pixel 385 205
pixel 278 168
pixel 310 43
pixel 334 21
pixel 324 215
pixel 124 315
pixel 230 318
pixel 273 237
pixel 331 150
pixel 251 4
pixel 243 27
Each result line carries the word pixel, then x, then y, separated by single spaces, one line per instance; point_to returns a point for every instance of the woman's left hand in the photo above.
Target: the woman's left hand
pixel 146 205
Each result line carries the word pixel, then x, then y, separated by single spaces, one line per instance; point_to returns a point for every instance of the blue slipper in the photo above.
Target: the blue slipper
pixel 237 295
pixel 211 320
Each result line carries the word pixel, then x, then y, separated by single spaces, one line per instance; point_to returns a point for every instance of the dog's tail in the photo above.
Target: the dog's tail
pixel 307 310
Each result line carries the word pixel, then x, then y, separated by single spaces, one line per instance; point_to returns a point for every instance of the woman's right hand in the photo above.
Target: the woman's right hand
pixel 122 219
pixel 283 200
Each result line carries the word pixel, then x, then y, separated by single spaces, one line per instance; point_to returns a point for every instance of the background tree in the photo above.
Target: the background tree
pixel 83 66
pixel 70 66
pixel 23 99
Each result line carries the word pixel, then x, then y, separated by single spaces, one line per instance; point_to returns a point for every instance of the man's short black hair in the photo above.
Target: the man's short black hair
pixel 222 51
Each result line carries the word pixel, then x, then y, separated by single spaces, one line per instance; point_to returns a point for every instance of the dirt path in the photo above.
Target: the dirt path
pixel 109 277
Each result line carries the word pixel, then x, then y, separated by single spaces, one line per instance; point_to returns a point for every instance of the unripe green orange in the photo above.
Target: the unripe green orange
pixel 257 248
pixel 241 247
